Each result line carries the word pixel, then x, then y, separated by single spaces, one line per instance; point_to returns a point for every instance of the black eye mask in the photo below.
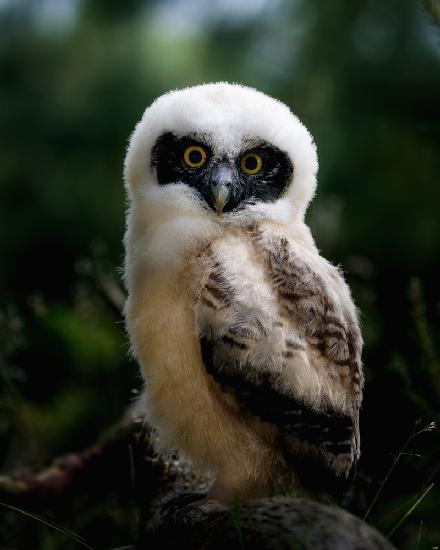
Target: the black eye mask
pixel 267 185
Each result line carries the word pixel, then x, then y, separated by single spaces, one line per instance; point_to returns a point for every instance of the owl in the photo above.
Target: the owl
pixel 248 340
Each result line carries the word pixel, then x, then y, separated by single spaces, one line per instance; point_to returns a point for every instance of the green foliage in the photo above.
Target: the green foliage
pixel 364 76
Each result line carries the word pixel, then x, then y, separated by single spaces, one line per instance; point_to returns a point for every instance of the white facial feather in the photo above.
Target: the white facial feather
pixel 231 114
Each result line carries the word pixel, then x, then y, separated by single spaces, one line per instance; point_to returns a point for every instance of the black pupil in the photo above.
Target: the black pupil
pixel 251 163
pixel 195 156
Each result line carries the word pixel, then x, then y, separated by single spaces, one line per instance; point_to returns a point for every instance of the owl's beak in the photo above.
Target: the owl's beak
pixel 221 194
pixel 221 181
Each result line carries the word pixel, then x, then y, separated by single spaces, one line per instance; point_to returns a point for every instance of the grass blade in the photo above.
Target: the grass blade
pixel 410 511
pixel 379 491
pixel 400 507
pixel 52 525
pixel 236 520
pixel 419 538
pixel 428 428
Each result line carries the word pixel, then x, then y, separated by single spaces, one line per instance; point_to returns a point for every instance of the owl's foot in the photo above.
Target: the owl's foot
pixel 209 505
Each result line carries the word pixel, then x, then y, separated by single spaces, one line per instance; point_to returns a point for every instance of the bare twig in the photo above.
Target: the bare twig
pixel 73 471
pixel 112 293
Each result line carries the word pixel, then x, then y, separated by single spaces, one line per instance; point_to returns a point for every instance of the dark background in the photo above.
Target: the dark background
pixel 75 75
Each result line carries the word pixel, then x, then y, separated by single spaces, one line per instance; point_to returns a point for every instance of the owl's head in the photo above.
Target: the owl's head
pixel 222 152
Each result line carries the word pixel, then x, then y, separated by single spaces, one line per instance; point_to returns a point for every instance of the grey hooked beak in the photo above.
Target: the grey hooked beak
pixel 222 177
pixel 221 194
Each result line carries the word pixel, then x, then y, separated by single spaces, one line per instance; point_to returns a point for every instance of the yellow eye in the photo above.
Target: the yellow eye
pixel 194 156
pixel 251 163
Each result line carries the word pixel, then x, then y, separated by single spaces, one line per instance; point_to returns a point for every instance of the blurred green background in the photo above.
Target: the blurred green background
pixel 363 75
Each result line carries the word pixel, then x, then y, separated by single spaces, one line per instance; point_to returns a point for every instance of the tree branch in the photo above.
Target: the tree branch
pixel 271 524
pixel 169 495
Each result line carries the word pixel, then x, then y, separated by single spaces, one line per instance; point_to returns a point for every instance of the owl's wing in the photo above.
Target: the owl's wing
pixel 273 363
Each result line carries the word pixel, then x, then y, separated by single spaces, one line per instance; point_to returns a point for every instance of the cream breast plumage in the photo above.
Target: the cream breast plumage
pixel 248 340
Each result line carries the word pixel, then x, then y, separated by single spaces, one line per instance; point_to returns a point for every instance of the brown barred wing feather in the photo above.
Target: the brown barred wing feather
pixel 273 359
pixel 318 302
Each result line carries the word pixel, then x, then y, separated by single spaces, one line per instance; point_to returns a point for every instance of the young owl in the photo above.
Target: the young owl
pixel 248 339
